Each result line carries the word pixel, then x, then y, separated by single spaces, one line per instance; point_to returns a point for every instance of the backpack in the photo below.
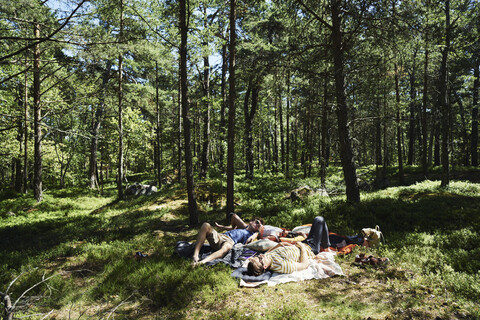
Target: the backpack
pixel 373 236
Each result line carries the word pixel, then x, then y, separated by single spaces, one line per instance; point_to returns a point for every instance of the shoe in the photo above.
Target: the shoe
pixel 361 260
pixel 141 255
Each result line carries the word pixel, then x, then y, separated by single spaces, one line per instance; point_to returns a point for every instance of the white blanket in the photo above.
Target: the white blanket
pixel 323 266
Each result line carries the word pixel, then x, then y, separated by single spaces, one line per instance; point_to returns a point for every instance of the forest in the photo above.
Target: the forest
pixel 226 106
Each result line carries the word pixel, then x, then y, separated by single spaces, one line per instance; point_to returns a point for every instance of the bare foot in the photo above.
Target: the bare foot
pixel 195 259
pixel 197 263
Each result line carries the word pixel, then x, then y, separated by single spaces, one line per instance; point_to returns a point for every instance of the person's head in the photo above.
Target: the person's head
pixel 255 224
pixel 256 266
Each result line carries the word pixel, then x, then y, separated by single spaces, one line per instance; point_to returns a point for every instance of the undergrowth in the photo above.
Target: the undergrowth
pixel 74 253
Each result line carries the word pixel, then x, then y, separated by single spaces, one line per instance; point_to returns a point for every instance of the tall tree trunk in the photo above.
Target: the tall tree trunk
pixel 346 153
pixel 412 118
pixel 26 124
pixel 474 138
pixel 223 107
pixel 424 113
pixel 92 172
pixel 253 111
pixel 282 138
pixel 180 129
pixel 18 159
pixel 378 143
pixel 401 178
pixel 295 138
pixel 248 131
pixel 323 163
pixel 159 153
pixel 444 101
pixel 120 112
pixel 206 117
pixel 436 142
pixel 310 130
pixel 275 136
pixel 465 150
pixel 37 130
pixel 231 111
pixel 192 201
pixel 386 154
pixel 287 155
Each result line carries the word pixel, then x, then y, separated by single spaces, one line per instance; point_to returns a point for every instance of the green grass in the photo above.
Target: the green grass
pixel 86 243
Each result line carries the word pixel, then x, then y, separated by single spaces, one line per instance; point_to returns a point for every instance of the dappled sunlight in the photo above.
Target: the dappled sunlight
pixel 431 236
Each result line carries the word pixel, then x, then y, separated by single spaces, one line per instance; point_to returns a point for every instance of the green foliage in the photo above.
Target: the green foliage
pixel 86 243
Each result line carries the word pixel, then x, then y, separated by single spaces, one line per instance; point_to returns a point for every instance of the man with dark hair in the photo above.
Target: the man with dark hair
pixel 222 243
pixel 288 258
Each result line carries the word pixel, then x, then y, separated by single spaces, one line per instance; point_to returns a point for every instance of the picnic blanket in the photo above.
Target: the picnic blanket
pixel 234 258
pixel 324 266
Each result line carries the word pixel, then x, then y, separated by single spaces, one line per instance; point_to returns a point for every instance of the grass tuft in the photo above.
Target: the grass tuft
pixel 84 243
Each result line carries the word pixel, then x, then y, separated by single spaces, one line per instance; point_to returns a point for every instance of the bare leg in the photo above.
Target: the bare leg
pixel 205 229
pixel 218 254
pixel 237 222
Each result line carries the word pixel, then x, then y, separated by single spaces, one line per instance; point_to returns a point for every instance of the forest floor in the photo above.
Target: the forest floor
pixel 73 255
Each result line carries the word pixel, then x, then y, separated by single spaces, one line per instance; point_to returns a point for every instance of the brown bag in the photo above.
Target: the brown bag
pixel 373 236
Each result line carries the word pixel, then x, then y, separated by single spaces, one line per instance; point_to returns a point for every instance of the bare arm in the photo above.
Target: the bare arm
pixel 303 262
pixel 252 237
pixel 280 244
pixel 222 227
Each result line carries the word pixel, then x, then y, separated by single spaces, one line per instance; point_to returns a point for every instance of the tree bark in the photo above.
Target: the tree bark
pixel 282 138
pixel 249 117
pixel 474 137
pixel 180 129
pixel 444 101
pixel 287 155
pixel 412 117
pixel 275 136
pixel 465 150
pixel 248 130
pixel 25 134
pixel 346 153
pixel 159 153
pixel 231 111
pixel 18 160
pixel 7 303
pixel 120 113
pixel 401 178
pixel 37 131
pixel 424 113
pixel 295 138
pixel 92 172
pixel 323 161
pixel 206 117
pixel 192 201
pixel 223 108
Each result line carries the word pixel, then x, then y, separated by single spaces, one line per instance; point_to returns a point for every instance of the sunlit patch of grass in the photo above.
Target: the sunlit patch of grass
pixel 88 242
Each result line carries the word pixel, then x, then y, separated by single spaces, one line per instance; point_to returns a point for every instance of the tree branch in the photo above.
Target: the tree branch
pixel 31 45
pixel 325 23
pixel 16 74
pixel 152 29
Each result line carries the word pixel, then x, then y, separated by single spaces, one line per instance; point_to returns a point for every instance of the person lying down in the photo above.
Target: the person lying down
pixel 222 243
pixel 287 257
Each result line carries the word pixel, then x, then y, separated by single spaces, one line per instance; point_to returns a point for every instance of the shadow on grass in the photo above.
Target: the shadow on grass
pixel 416 212
pixel 49 237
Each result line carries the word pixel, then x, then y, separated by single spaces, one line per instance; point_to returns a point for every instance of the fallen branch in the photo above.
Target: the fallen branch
pixel 8 306
pixel 121 303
